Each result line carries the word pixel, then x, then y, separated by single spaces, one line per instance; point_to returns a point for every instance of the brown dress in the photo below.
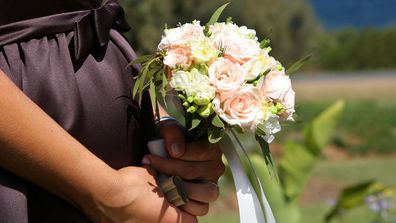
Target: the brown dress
pixel 69 57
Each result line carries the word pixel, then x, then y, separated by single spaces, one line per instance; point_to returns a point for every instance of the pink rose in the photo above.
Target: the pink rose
pixel 238 50
pixel 181 36
pixel 288 105
pixel 242 108
pixel 276 84
pixel 178 56
pixel 226 76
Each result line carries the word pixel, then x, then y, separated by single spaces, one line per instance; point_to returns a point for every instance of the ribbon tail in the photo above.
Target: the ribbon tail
pixel 269 216
pixel 250 210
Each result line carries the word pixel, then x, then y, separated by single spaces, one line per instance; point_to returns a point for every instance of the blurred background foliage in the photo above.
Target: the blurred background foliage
pixel 355 62
pixel 292 26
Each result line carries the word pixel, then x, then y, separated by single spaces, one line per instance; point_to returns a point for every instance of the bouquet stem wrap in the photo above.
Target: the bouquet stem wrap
pixel 250 207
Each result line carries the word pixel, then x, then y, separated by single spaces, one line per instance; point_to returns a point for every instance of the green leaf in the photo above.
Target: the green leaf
pixel 299 159
pixel 296 66
pixel 141 59
pixel 215 135
pixel 153 96
pixel 195 123
pixel 164 86
pixel 268 157
pixel 216 15
pixel 354 196
pixel 216 121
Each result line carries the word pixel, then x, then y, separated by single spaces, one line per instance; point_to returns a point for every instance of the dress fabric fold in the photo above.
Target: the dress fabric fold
pixel 85 89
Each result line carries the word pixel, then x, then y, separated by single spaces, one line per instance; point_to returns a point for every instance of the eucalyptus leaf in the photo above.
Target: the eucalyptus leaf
pixel 268 157
pixel 141 59
pixel 215 135
pixel 216 121
pixel 195 123
pixel 216 15
pixel 153 95
pixel 296 66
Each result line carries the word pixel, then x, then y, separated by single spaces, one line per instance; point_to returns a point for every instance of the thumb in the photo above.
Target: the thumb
pixel 173 134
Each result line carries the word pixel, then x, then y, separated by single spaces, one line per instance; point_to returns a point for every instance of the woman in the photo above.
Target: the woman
pixel 71 143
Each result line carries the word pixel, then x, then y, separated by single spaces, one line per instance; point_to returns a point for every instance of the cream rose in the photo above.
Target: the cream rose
pixel 178 56
pixel 275 85
pixel 226 76
pixel 181 35
pixel 242 108
pixel 239 50
pixel 288 104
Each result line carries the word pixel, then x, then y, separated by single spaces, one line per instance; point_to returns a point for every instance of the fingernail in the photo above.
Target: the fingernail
pixel 175 149
pixel 146 161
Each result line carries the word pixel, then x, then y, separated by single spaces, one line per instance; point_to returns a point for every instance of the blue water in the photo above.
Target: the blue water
pixel 355 13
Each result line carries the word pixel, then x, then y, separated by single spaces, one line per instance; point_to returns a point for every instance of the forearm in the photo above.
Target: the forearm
pixel 35 147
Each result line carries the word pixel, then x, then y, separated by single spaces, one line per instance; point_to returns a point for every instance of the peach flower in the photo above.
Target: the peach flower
pixel 242 108
pixel 181 36
pixel 226 76
pixel 238 50
pixel 178 56
pixel 276 84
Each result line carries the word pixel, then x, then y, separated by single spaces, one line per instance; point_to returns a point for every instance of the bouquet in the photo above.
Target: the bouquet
pixel 222 80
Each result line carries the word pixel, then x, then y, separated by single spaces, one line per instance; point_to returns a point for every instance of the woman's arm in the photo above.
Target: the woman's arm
pixel 35 147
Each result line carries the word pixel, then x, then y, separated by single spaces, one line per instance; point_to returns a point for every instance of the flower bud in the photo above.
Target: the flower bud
pixel 186 104
pixel 206 110
pixel 190 99
pixel 192 109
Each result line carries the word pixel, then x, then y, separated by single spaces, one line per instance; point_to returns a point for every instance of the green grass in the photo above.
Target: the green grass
pixel 344 172
pixel 365 126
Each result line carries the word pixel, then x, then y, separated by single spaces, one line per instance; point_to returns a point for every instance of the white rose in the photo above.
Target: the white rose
pixel 226 76
pixel 181 35
pixel 180 80
pixel 242 108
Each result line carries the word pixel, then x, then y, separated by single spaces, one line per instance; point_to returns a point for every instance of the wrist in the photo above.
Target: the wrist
pixel 98 194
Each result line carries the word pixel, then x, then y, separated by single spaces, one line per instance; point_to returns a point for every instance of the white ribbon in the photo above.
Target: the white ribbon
pixel 250 210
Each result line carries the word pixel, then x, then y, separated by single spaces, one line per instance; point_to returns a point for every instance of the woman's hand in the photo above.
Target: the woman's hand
pixel 136 197
pixel 198 163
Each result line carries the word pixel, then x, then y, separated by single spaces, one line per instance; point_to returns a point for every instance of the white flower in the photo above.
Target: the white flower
pixel 182 35
pixel 203 51
pixel 257 65
pixel 193 84
pixel 180 80
pixel 271 126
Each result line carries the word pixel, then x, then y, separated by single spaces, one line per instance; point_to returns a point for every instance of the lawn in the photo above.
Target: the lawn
pixel 334 174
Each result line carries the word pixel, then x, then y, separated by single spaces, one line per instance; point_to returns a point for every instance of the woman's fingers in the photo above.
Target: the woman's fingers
pixel 204 170
pixel 195 208
pixel 202 192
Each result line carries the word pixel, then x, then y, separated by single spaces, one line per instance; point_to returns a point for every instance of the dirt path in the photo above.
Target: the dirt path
pixel 367 85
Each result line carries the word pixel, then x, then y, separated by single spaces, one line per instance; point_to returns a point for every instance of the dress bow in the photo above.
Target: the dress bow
pixel 93 29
